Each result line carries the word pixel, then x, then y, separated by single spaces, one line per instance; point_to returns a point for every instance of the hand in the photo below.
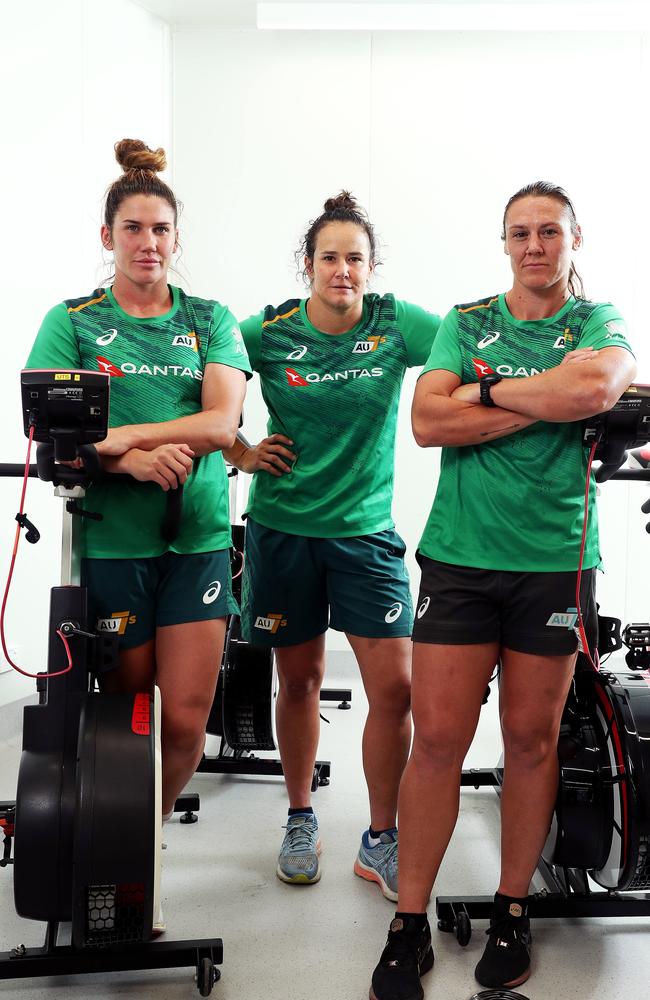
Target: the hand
pixel 268 455
pixel 168 465
pixel 469 393
pixel 117 441
pixel 581 354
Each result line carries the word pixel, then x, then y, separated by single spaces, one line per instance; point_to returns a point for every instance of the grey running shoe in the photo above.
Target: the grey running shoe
pixel 298 859
pixel 379 864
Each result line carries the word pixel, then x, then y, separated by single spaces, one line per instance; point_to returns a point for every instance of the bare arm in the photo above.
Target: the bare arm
pixel 213 429
pixel 269 455
pixel 589 383
pixel 439 419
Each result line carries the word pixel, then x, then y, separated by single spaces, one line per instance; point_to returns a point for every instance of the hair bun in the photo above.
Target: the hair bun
pixel 133 154
pixel 342 200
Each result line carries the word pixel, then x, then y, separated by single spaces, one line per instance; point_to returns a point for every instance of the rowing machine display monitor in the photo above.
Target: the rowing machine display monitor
pixel 626 425
pixel 68 408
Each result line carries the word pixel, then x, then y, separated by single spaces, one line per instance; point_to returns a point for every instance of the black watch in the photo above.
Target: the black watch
pixel 485 384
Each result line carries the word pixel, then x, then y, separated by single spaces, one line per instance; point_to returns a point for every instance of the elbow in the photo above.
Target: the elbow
pixel 424 435
pixel 599 397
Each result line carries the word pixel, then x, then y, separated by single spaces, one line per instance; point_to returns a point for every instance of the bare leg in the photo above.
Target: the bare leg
pixel 532 694
pixel 300 676
pixel 448 687
pixel 187 661
pixel 385 666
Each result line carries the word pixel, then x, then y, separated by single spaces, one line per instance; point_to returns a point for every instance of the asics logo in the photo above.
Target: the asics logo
pixel 393 613
pixel 298 353
pixel 488 339
pixel 213 591
pixel 424 607
pixel 107 338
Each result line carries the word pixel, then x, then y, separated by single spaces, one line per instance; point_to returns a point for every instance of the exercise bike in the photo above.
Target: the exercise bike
pixel 600 830
pixel 86 824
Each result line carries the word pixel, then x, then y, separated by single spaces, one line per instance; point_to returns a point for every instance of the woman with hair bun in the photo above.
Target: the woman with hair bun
pixel 178 373
pixel 321 548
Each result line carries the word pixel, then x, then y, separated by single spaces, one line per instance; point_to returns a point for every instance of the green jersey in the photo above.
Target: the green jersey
pixel 156 367
pixel 336 397
pixel 516 503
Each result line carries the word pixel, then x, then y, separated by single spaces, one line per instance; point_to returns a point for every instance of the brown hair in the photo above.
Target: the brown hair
pixel 141 166
pixel 342 208
pixel 544 189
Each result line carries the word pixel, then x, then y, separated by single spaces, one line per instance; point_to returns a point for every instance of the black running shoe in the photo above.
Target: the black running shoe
pixel 506 959
pixel 407 956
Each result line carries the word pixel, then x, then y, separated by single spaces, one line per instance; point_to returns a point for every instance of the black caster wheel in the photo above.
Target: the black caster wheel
pixel 463 929
pixel 446 926
pixel 206 976
pixel 344 706
pixel 189 817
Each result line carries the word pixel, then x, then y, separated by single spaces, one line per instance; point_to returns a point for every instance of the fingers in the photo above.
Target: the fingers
pixel 270 455
pixel 171 465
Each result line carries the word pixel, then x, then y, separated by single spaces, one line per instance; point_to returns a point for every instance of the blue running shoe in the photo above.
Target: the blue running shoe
pixel 298 859
pixel 379 864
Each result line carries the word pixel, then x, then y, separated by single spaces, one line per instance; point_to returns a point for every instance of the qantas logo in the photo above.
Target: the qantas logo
pixel 293 378
pixel 298 353
pixel 489 338
pixel 107 338
pixel 109 368
pixel 481 367
pixel 127 368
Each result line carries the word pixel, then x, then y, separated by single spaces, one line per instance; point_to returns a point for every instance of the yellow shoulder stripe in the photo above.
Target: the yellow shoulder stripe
pixel 481 305
pixel 90 302
pixel 268 322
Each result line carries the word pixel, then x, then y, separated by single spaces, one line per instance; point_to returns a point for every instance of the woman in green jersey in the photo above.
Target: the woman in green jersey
pixel 508 380
pixel 178 372
pixel 321 548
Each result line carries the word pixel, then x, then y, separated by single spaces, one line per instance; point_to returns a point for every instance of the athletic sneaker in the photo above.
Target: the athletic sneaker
pixel 506 959
pixel 379 864
pixel 407 956
pixel 298 859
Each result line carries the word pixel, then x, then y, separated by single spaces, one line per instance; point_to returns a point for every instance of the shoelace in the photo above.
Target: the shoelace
pixel 505 929
pixel 300 836
pixel 401 948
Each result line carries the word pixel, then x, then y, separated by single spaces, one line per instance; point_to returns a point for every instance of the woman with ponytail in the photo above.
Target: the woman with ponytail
pixel 321 547
pixel 178 371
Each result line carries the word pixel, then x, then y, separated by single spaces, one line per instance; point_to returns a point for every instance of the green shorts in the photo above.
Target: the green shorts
pixel 294 587
pixel 131 598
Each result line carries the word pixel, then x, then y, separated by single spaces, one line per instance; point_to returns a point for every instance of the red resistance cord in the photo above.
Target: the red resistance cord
pixel 8 585
pixel 581 627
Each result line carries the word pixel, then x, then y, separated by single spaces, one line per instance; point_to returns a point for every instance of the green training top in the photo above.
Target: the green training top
pixel 336 398
pixel 516 503
pixel 156 367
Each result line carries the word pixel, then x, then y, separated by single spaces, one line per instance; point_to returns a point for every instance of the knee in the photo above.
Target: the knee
pixel 300 686
pixel 184 732
pixel 393 699
pixel 531 744
pixel 438 748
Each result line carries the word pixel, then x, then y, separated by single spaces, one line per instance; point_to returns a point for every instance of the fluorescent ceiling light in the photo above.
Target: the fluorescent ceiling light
pixel 454 16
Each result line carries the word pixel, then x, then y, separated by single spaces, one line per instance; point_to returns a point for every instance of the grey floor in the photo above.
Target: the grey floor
pixel 321 942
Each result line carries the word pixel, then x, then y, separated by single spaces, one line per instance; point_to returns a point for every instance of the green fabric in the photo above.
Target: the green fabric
pixel 336 398
pixel 157 367
pixel 516 503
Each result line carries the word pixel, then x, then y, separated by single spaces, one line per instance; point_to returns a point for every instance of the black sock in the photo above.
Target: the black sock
pixel 377 833
pixel 297 812
pixel 419 919
pixel 521 900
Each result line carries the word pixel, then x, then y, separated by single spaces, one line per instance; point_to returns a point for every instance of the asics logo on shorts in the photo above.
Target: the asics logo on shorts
pixel 424 607
pixel 393 613
pixel 213 591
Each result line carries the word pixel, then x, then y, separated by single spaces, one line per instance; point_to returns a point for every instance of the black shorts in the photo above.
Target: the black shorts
pixel 528 612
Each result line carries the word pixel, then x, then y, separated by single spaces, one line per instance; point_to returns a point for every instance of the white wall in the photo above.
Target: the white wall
pixel 76 76
pixel 432 132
